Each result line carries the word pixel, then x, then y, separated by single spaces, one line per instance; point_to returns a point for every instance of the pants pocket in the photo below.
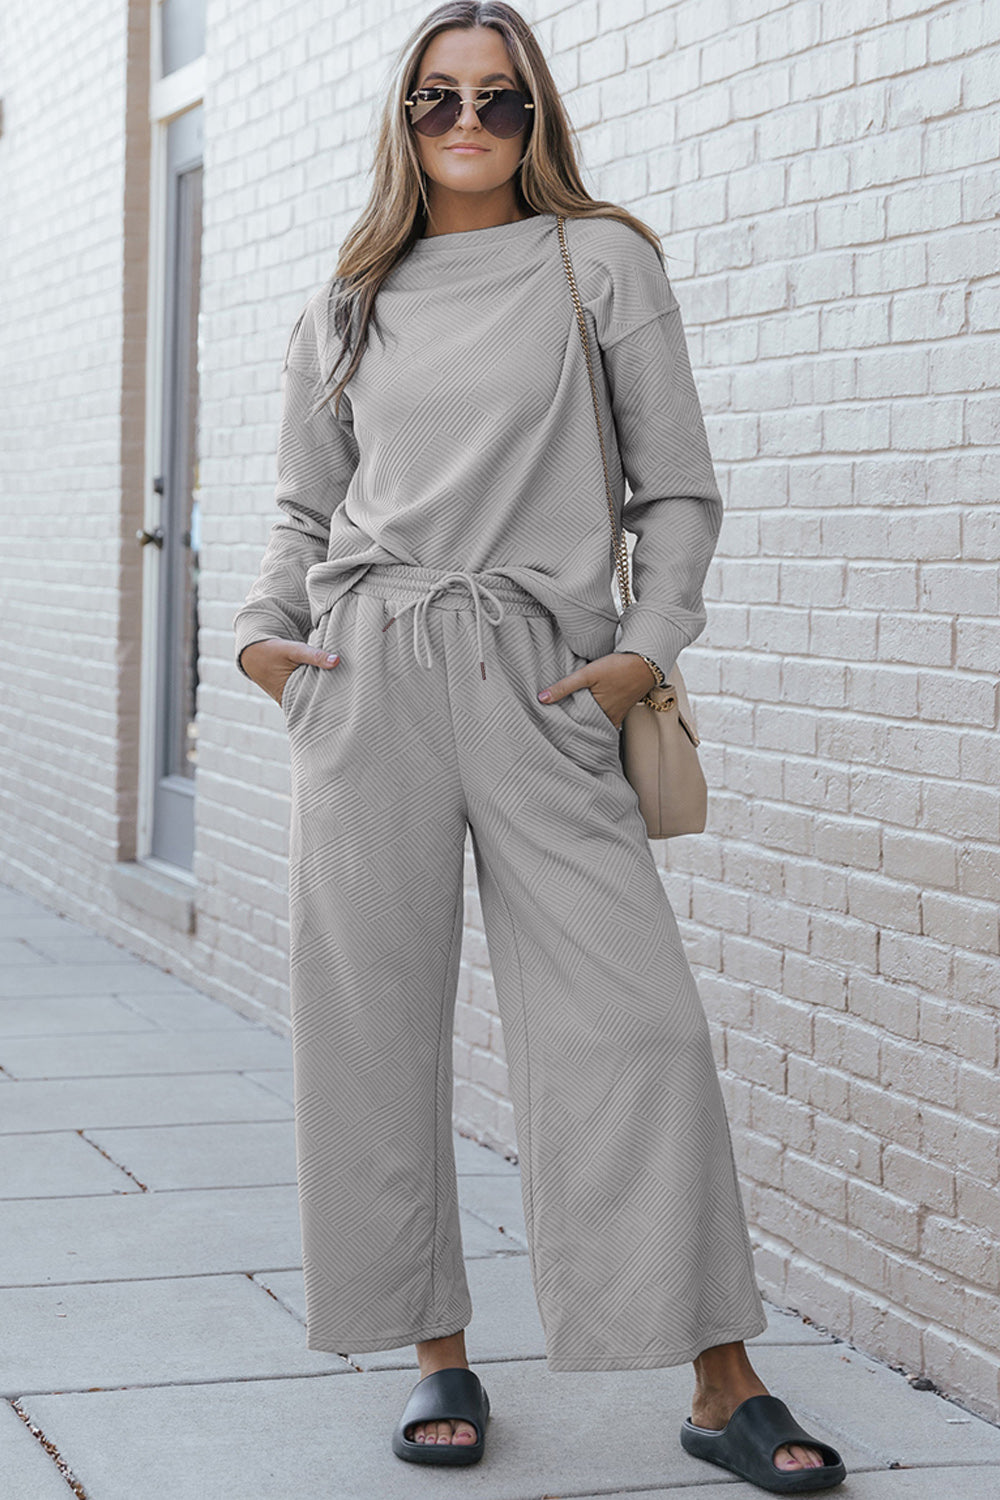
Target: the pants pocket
pixel 288 690
pixel 594 708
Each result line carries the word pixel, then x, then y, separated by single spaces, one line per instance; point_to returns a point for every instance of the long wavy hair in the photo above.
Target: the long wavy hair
pixel 547 179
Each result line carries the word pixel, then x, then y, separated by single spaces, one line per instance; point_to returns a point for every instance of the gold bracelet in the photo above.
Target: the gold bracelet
pixel 660 678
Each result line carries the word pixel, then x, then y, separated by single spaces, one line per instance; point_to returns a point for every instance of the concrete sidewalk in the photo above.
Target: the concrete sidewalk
pixel 151 1307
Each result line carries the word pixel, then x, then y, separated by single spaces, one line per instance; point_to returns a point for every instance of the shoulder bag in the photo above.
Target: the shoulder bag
pixel 659 741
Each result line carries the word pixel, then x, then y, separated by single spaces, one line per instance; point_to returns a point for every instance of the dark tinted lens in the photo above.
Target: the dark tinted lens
pixel 505 113
pixel 434 119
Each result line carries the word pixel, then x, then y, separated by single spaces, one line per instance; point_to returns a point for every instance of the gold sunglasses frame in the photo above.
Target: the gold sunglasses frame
pixel 484 96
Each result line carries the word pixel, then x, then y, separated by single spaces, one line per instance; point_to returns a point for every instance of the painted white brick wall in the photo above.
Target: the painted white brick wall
pixel 825 180
pixel 61 321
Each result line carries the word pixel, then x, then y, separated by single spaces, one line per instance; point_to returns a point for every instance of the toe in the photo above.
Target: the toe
pixel 464 1433
pixel 795 1456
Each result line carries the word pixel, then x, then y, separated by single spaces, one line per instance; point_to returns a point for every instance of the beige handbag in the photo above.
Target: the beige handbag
pixel 659 742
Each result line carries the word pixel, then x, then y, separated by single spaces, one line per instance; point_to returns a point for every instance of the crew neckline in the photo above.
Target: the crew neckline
pixel 476 239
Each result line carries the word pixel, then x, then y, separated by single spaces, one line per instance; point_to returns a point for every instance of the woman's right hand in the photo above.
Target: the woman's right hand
pixel 270 663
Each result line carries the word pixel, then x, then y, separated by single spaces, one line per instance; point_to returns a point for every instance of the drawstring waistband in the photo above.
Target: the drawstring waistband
pixel 479 592
pixel 392 581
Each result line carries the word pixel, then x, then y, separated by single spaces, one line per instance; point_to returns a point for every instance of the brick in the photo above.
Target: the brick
pixel 818 1294
pixel 778 827
pixel 926 534
pixel 914 1285
pixel 887 1331
pixel 753 869
pixel 813 583
pixel 979 758
pixel 978 870
pixel 957 699
pixel 812 884
pixel 784 1022
pixel 960 811
pixel 978 1093
pixel 726 1003
pixel 980 539
pixel 927 749
pixel 885 902
pixel 963 1144
pixel 888 1006
pixel 846 841
pixel 761 1158
pixel 825 1188
pixel 818 983
pixel 964 1250
pixel 854 1152
pixel 753 962
pixel 843 940
pixel 839 634
pixel 923 1183
pixel 777 727
pixel 886 586
pixel 919 1072
pixel 968 1372
pixel 848 1045
pixel 958 920
pixel 881 689
pixel 915 959
pixel 785 1118
pixel 917 639
pixel 978 1204
pixel 979 1317
pixel 883 1215
pixel 885 795
pixel 890 1115
pixel 781 630
pixel 750 675
pixel 822 684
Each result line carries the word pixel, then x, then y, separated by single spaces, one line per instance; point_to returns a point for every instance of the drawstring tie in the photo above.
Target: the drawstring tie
pixel 483 599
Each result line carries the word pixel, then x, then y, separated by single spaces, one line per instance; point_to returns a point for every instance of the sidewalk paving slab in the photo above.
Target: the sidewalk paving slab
pixel 159 1332
pixel 133 1053
pixel 57 1164
pixel 246 1153
pixel 179 1099
pixel 68 1015
pixel 26 1470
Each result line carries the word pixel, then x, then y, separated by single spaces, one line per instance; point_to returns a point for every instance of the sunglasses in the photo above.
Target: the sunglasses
pixel 502 112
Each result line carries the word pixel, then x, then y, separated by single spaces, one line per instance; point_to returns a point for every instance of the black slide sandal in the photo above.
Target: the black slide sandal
pixel 453 1393
pixel 748 1442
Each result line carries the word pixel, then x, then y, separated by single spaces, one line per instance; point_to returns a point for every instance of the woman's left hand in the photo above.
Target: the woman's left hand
pixel 617 681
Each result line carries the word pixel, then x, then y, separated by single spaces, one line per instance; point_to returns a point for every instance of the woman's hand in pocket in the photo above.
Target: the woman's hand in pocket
pixel 617 681
pixel 270 663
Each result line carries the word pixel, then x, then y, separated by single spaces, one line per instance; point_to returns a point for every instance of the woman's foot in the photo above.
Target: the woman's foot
pixel 724 1377
pixel 442 1354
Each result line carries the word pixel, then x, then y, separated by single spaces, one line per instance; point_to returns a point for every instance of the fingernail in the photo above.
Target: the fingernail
pixel 545 696
pixel 332 659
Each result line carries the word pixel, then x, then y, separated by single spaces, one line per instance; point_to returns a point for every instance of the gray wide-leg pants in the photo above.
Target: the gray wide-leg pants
pixel 638 1244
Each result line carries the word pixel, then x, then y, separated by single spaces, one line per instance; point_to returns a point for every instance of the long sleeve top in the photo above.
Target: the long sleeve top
pixel 466 439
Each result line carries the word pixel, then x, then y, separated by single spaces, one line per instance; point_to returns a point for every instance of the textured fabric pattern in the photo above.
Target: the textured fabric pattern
pixel 639 1250
pixel 466 439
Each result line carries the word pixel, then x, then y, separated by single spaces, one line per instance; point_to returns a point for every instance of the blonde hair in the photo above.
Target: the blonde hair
pixel 547 179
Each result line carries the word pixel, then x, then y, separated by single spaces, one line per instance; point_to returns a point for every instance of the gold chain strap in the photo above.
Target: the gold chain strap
pixel 617 539
pixel 667 691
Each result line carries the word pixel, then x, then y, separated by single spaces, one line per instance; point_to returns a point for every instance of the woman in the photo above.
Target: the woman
pixel 451 481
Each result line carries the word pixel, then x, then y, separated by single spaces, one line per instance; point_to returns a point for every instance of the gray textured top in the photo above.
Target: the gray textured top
pixel 466 440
